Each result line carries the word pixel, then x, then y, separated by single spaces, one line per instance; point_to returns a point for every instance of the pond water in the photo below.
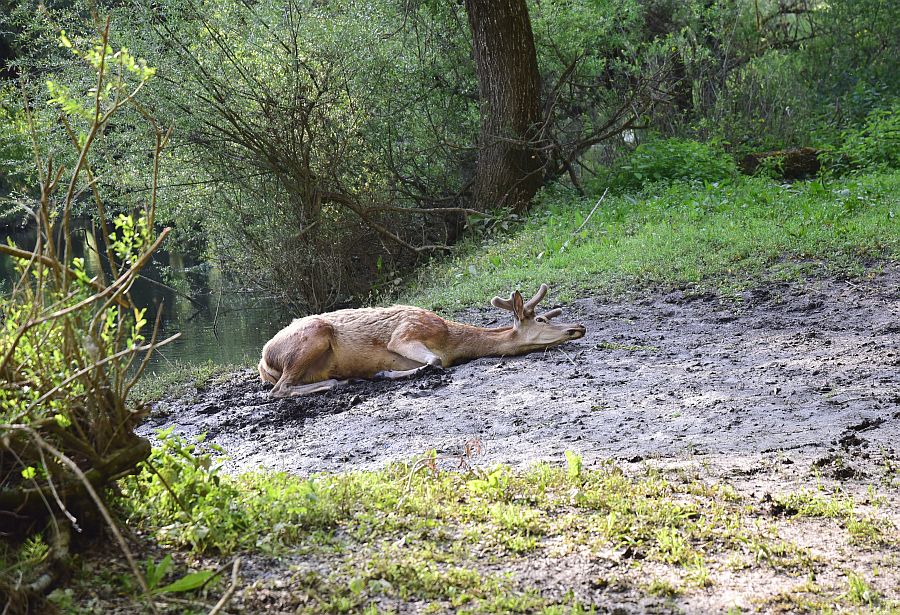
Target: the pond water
pixel 222 326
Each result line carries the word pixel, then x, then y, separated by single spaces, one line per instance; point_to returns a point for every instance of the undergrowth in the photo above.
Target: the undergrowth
pixel 180 380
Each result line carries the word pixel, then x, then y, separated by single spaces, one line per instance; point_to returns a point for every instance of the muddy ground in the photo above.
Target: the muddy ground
pixel 809 368
pixel 786 386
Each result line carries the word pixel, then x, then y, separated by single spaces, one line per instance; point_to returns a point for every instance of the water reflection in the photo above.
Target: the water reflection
pixel 221 325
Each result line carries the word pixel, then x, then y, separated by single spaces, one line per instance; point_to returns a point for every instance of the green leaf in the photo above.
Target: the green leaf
pixel 188 582
pixel 155 573
pixel 574 464
pixel 357 585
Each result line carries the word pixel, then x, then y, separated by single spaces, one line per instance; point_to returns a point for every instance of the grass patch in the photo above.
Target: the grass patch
pixel 716 236
pixel 841 507
pixel 450 540
pixel 180 379
pixel 860 592
pixel 662 588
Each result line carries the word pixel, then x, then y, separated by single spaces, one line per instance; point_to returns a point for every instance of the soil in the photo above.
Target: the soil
pixel 783 385
pixel 810 368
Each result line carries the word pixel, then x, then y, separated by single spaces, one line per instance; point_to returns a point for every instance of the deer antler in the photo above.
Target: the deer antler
pixel 551 314
pixel 530 305
pixel 522 310
pixel 504 304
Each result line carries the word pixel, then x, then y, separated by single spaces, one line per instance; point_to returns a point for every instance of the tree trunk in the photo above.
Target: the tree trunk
pixel 509 169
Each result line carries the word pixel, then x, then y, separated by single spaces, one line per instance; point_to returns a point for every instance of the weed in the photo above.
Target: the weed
pixel 841 507
pixel 662 588
pixel 860 592
pixel 180 380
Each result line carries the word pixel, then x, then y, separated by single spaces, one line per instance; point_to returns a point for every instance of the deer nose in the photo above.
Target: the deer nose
pixel 576 332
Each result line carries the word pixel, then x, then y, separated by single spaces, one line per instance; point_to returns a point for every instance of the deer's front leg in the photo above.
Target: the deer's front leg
pixel 415 351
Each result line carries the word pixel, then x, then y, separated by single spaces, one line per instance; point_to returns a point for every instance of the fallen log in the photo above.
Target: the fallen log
pixel 797 163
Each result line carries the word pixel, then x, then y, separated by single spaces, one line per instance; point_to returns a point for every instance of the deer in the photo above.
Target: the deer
pixel 317 353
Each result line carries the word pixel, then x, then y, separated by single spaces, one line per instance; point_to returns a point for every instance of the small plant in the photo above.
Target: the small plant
pixel 181 489
pixel 494 485
pixel 155 573
pixel 859 592
pixel 663 588
pixel 574 465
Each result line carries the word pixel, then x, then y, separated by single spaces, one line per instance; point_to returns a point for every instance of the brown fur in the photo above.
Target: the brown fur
pixel 334 347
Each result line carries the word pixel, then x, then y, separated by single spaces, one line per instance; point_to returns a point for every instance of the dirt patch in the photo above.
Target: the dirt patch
pixel 800 370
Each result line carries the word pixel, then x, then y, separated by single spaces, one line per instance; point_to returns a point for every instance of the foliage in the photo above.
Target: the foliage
pixel 282 130
pixel 671 159
pixel 14 152
pixel 874 145
pixel 68 343
pixel 180 380
pixel 322 142
pixel 417 532
pixel 192 502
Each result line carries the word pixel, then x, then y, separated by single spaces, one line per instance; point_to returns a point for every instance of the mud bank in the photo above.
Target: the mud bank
pixel 807 370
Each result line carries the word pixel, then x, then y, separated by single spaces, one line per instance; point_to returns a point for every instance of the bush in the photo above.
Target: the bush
pixel 672 159
pixel 182 496
pixel 72 345
pixel 874 145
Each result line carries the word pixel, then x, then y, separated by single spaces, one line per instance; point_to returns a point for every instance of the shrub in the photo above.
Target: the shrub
pixel 672 159
pixel 874 145
pixel 70 343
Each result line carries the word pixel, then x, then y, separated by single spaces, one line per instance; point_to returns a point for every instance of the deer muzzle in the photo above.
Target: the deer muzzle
pixel 576 332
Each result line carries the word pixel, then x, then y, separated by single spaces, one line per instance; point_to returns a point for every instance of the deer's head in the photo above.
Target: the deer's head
pixel 536 330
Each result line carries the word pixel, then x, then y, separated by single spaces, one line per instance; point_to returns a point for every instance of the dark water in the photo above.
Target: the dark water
pixel 243 320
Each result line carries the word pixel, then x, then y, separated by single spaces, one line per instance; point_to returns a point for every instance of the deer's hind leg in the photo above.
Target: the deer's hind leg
pixel 295 390
pixel 305 362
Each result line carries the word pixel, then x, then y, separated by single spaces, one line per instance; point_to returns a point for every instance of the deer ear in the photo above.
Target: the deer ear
pixel 518 305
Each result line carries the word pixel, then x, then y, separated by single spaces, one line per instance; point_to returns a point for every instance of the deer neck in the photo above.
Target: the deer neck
pixel 466 342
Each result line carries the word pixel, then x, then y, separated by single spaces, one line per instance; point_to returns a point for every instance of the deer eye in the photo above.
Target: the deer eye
pixel 540 319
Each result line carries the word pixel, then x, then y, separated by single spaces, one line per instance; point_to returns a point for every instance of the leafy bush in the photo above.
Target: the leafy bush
pixel 72 345
pixel 672 159
pixel 182 495
pixel 874 145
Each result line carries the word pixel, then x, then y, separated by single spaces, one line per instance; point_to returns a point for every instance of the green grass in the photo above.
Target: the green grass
pixel 716 236
pixel 179 380
pixel 861 528
pixel 413 533
pixel 860 592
